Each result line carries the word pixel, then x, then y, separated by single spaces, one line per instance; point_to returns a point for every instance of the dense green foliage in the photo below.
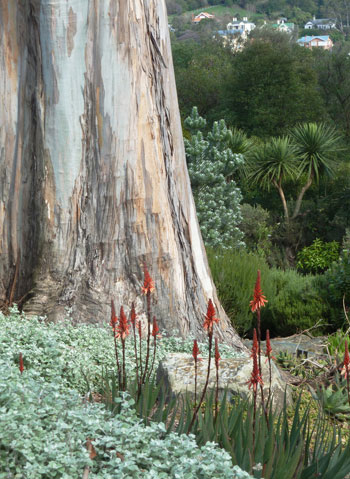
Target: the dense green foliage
pixel 294 301
pixel 273 86
pixel 317 257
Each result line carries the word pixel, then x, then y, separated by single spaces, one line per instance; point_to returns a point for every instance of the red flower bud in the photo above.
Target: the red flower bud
pixel 255 346
pixel 133 315
pixel 345 369
pixel 139 328
pixel 114 319
pixel 123 327
pixel 21 366
pixel 155 329
pixel 259 299
pixel 148 284
pixel 195 350
pixel 256 376
pixel 210 318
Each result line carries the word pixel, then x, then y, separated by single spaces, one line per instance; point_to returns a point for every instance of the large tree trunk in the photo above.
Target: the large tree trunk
pixel 93 175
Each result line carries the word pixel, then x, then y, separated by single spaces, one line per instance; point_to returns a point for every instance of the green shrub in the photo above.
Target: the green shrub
pixel 338 280
pixel 234 273
pixel 294 302
pixel 317 257
pixel 296 305
pixel 256 228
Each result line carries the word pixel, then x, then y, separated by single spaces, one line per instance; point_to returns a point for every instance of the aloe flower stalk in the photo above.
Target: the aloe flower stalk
pixel 123 332
pixel 113 323
pixel 217 359
pixel 195 352
pixel 155 331
pixel 254 381
pixel 269 357
pixel 133 317
pixel 256 304
pixel 147 289
pixel 208 324
pixel 345 370
pixel 21 365
pixel 139 329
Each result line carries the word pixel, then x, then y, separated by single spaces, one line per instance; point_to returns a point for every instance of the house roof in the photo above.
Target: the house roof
pixel 321 21
pixel 245 22
pixel 288 24
pixel 205 15
pixel 307 39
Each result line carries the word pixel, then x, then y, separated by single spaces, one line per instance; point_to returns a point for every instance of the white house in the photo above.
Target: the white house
pixel 322 41
pixel 244 27
pixel 236 33
pixel 321 24
pixel 283 26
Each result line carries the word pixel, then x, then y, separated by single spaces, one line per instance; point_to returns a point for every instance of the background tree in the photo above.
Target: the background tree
pixel 334 79
pixel 316 146
pixel 93 173
pixel 203 70
pixel 273 86
pixel 272 164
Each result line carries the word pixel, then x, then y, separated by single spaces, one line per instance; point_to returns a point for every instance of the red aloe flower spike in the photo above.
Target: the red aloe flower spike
pixel 114 318
pixel 255 377
pixel 255 347
pixel 259 299
pixel 148 284
pixel 345 369
pixel 217 354
pixel 123 327
pixel 155 329
pixel 21 365
pixel 210 318
pixel 195 350
pixel 139 328
pixel 133 315
pixel 346 355
pixel 268 346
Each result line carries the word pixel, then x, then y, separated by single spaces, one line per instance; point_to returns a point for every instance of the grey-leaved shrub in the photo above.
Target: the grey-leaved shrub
pixel 212 167
pixel 45 424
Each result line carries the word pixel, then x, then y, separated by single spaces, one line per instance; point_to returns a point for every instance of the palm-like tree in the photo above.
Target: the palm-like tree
pixel 273 163
pixel 315 146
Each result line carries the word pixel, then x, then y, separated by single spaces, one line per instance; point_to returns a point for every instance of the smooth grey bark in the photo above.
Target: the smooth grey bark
pixel 93 178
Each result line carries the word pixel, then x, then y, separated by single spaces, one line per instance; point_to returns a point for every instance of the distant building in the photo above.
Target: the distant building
pixel 283 26
pixel 236 33
pixel 322 41
pixel 321 24
pixel 244 27
pixel 202 16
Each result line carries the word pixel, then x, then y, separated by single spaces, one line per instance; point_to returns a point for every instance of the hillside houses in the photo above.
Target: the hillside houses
pixel 322 41
pixel 244 27
pixel 320 24
pixel 236 33
pixel 283 26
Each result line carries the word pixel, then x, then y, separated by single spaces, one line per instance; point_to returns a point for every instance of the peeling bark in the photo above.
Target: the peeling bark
pixel 93 177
